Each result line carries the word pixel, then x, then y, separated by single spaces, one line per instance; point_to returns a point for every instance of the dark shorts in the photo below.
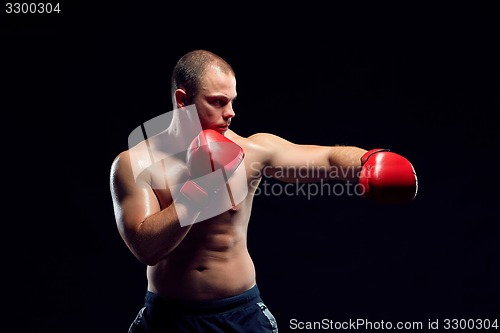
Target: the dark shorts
pixel 243 313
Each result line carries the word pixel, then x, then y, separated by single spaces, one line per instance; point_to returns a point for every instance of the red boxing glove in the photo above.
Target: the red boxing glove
pixel 387 177
pixel 208 152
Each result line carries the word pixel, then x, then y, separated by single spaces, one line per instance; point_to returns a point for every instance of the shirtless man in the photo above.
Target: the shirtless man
pixel 200 275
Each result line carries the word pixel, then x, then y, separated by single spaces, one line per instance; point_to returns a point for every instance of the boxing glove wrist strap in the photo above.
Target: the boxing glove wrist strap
pixel 369 153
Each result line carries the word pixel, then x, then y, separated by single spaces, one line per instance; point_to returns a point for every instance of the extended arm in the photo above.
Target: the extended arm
pixel 383 176
pixel 292 162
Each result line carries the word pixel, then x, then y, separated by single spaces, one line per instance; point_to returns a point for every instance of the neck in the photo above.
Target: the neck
pixel 184 126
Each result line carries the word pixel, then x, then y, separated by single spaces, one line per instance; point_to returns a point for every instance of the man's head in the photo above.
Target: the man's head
pixel 203 78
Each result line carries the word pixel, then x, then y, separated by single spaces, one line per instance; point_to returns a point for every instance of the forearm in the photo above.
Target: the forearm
pixel 160 233
pixel 345 162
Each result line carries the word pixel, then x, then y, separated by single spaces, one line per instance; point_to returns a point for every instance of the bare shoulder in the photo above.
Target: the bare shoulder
pixel 129 161
pixel 119 160
pixel 120 167
pixel 136 158
pixel 265 138
pixel 260 147
pixel 260 141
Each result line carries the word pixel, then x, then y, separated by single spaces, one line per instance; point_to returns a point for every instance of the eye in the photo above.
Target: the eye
pixel 218 102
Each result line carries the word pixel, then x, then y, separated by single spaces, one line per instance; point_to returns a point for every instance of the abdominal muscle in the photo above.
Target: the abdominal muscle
pixel 212 262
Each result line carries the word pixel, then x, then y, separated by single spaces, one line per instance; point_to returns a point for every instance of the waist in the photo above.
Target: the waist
pixel 196 307
pixel 201 278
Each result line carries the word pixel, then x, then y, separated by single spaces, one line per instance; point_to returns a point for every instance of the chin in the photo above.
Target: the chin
pixel 220 130
pixel 217 129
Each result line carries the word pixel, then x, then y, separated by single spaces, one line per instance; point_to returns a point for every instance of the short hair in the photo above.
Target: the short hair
pixel 190 69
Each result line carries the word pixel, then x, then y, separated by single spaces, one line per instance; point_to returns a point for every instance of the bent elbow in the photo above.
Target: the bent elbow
pixel 145 257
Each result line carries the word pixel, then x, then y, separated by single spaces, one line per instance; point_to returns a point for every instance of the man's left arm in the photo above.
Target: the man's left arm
pixel 291 162
pixel 384 176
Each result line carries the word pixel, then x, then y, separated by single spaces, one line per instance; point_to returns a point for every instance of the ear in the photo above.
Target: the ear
pixel 181 97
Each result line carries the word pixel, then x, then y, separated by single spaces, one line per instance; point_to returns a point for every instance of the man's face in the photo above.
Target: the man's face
pixel 215 98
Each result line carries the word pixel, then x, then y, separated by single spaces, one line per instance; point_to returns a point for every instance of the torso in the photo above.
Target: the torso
pixel 212 261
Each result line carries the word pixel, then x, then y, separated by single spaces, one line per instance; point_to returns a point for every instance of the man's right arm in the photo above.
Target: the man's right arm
pixel 149 231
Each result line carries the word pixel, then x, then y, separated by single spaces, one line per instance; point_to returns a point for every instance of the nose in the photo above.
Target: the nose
pixel 228 113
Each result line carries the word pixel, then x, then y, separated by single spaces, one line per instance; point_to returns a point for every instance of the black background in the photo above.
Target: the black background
pixel 422 81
